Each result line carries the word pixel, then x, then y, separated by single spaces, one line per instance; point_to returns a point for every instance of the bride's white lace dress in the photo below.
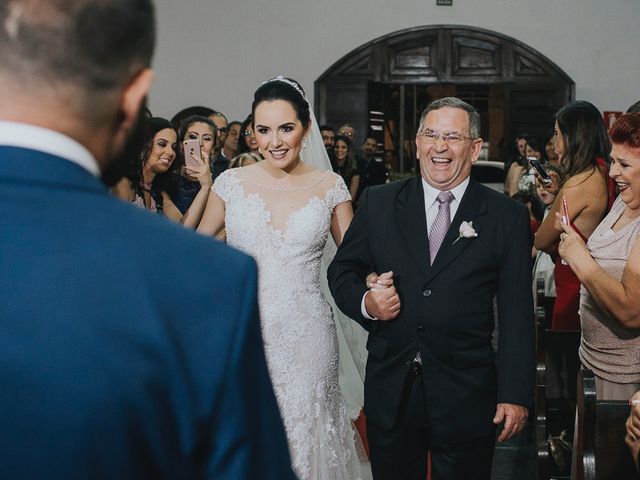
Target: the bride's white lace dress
pixel 286 232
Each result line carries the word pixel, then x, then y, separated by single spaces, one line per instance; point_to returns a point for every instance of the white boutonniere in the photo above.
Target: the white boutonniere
pixel 466 231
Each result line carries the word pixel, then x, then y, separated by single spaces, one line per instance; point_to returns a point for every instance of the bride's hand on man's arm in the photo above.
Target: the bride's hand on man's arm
pixel 379 281
pixel 382 301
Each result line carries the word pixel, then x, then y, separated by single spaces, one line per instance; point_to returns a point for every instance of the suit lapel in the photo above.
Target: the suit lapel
pixel 472 207
pixel 412 222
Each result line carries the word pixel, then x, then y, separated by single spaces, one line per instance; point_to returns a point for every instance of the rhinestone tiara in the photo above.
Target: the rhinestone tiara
pixel 283 79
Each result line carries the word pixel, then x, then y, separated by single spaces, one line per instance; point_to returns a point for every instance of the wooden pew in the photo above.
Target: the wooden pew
pixel 542 452
pixel 557 367
pixel 601 451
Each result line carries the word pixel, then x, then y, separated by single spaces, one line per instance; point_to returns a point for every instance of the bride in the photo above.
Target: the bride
pixel 281 211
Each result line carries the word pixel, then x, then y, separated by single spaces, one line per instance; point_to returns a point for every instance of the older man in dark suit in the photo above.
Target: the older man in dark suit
pixel 120 357
pixel 447 246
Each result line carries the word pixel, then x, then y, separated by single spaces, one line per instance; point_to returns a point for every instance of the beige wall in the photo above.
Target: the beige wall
pixel 216 52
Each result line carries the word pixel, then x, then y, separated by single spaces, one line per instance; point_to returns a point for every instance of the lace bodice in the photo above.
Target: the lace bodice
pixel 286 232
pixel 281 227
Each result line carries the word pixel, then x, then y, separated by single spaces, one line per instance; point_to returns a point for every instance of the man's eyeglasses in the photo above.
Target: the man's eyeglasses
pixel 450 138
pixel 223 130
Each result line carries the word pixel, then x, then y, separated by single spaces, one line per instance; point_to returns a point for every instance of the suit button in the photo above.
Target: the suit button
pixel 420 329
pixel 426 292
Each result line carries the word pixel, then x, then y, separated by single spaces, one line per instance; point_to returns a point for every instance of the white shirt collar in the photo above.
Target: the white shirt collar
pixel 431 193
pixel 23 135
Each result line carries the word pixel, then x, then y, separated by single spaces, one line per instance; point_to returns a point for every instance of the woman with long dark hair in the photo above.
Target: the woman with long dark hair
pixel 583 146
pixel 282 211
pixel 344 163
pixel 247 141
pixel 155 177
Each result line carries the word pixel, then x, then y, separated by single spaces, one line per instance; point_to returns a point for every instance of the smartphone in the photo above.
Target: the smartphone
pixel 535 163
pixel 192 152
pixel 566 219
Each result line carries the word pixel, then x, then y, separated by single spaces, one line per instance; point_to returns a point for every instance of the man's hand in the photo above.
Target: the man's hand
pixel 382 300
pixel 514 418
pixel 633 429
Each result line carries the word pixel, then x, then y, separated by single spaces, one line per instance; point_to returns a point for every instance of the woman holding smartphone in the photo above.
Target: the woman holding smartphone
pixel 200 133
pixel 156 176
pixel 583 146
pixel 609 268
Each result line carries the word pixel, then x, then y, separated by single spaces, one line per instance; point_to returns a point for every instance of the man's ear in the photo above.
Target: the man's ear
pixel 475 149
pixel 132 98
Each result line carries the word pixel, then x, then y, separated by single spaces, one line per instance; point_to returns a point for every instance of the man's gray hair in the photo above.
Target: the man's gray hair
pixel 453 102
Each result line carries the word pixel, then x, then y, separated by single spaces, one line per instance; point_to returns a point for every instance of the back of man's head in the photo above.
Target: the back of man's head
pixel 89 47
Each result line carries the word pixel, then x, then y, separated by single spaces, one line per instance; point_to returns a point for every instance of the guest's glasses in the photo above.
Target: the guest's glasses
pixel 450 138
pixel 247 133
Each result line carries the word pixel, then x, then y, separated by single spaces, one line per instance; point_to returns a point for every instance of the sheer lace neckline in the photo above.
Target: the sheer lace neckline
pixel 249 178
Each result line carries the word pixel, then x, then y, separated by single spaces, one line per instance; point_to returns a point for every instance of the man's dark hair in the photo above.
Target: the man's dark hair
pixel 95 44
pixel 327 128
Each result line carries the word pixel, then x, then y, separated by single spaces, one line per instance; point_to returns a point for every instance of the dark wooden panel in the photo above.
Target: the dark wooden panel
pixel 413 57
pixel 347 102
pixel 527 87
pixel 473 56
pixel 531 110
pixel 529 66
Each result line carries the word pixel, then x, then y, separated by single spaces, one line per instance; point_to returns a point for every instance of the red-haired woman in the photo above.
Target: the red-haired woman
pixel 609 268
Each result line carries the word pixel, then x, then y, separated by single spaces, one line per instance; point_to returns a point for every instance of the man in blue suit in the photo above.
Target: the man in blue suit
pixel 119 355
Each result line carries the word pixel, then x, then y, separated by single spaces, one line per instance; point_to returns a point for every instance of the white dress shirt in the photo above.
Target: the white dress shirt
pixel 23 135
pixel 431 208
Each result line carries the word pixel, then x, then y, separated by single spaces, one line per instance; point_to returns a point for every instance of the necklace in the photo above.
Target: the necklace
pixel 145 186
pixel 283 189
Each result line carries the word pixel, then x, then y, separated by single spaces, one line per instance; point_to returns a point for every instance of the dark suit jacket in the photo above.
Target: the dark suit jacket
pixel 120 355
pixel 372 172
pixel 447 308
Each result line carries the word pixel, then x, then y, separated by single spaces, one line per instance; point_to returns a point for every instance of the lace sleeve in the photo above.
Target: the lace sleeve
pixel 223 185
pixel 339 193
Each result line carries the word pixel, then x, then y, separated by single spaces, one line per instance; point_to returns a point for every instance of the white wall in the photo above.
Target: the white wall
pixel 216 52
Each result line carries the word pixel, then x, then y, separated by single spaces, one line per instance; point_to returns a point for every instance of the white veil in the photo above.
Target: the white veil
pixel 352 338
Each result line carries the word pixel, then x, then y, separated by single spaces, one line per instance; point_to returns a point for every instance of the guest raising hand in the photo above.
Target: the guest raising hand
pixel 608 267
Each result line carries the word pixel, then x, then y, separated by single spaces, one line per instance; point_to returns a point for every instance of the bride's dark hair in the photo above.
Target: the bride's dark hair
pixel 283 90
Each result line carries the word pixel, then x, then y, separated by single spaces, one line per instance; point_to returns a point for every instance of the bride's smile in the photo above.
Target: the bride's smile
pixel 279 134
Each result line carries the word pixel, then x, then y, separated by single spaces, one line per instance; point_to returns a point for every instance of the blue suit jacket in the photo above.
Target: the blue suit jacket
pixel 129 347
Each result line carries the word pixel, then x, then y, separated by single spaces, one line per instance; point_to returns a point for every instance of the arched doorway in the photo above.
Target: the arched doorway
pixel 382 86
